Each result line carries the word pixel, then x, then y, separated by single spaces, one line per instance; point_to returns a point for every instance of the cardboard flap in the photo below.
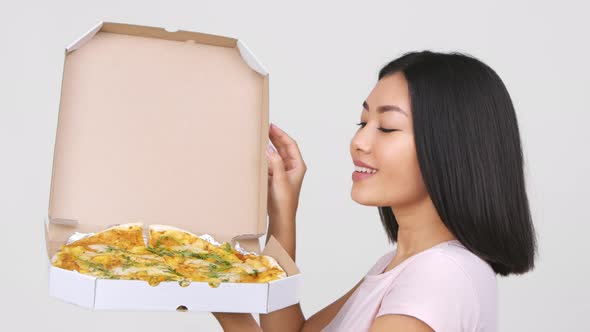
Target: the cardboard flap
pixel 160 127
pixel 84 38
pixel 274 249
pixel 252 245
pixel 251 59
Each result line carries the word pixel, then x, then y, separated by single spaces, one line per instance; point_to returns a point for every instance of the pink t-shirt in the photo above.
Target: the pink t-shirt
pixel 446 286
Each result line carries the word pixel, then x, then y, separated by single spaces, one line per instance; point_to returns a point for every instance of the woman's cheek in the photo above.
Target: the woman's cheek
pixel 403 180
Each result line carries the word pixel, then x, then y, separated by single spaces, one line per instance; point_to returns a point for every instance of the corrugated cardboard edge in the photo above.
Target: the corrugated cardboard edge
pixel 153 32
pixel 49 218
pixel 263 169
pixel 202 38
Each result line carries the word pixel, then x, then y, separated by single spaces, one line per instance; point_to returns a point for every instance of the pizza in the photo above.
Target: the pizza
pixel 171 254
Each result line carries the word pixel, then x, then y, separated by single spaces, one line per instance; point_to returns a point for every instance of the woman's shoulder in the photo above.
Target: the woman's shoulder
pixel 463 276
pixel 450 260
pixel 456 272
pixel 454 261
pixel 459 258
pixel 451 256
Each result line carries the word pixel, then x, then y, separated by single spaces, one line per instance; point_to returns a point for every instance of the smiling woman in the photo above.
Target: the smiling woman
pixel 438 152
pixel 450 193
pixel 467 145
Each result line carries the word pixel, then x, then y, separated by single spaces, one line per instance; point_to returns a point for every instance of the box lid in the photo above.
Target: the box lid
pixel 160 127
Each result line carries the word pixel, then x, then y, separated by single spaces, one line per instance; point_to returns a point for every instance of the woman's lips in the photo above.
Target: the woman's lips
pixel 357 176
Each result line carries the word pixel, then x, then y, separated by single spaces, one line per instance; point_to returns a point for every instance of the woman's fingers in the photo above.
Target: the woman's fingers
pixel 286 146
pixel 275 165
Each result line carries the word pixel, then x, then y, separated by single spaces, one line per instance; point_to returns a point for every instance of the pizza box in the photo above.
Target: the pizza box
pixel 163 127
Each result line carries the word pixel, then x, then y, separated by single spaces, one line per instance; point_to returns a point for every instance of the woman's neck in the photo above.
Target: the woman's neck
pixel 420 228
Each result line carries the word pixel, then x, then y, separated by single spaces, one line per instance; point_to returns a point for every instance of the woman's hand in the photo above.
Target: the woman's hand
pixel 286 170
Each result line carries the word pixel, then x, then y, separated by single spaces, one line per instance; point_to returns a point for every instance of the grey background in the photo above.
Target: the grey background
pixel 323 60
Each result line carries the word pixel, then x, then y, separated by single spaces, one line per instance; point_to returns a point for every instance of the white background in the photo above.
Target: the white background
pixel 323 60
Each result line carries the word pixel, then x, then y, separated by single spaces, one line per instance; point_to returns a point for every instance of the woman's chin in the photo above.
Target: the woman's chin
pixel 362 198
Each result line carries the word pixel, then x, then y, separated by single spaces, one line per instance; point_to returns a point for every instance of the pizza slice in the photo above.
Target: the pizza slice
pixel 262 268
pixel 118 252
pixel 200 260
pixel 79 255
pixel 125 236
pixel 192 257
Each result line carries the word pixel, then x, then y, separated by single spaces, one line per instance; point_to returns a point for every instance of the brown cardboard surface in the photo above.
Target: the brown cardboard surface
pixel 274 249
pixel 160 127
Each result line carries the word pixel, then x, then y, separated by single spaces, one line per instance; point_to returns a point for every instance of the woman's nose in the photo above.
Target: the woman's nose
pixel 361 143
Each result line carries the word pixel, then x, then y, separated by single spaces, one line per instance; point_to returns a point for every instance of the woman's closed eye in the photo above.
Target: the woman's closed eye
pixel 385 130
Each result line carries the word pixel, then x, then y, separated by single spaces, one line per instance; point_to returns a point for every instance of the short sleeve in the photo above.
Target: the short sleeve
pixel 435 289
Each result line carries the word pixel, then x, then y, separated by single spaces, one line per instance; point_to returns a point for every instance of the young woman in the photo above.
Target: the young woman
pixel 438 152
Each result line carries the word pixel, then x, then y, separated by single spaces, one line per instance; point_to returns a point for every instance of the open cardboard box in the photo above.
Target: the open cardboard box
pixel 163 127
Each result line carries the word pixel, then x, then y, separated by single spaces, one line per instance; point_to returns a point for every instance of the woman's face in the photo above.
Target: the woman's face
pixel 398 181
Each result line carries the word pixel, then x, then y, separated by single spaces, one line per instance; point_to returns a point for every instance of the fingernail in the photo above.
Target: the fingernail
pixel 270 148
pixel 273 125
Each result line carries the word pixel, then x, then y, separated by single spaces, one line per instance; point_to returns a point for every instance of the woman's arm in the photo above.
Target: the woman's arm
pixel 404 323
pixel 237 322
pixel 291 318
pixel 325 316
pixel 286 170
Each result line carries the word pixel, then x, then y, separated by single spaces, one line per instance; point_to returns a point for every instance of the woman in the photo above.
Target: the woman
pixel 438 152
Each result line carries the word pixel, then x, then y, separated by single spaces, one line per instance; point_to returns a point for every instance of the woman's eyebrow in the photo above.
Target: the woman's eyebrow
pixel 385 108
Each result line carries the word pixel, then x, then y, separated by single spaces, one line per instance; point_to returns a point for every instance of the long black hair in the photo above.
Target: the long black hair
pixel 470 156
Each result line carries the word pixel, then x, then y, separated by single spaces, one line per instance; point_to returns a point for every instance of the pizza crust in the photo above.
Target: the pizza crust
pixel 159 227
